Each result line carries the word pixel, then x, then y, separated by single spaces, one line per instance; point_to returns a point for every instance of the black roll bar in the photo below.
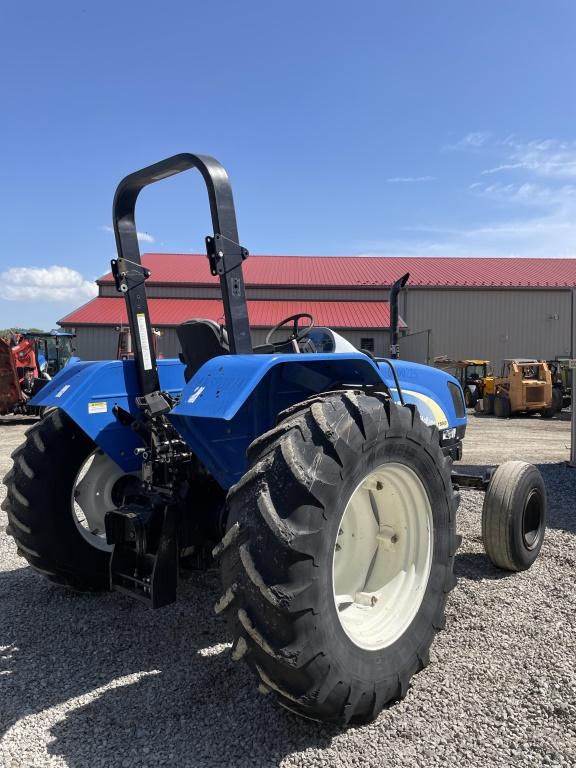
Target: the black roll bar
pixel 225 253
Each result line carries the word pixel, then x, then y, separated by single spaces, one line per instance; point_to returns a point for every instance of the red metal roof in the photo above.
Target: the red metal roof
pixel 358 271
pixel 335 314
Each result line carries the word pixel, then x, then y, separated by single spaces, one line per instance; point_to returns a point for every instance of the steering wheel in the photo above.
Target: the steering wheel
pixel 297 333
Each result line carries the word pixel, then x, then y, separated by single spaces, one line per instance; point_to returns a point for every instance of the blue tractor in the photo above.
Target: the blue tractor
pixel 319 478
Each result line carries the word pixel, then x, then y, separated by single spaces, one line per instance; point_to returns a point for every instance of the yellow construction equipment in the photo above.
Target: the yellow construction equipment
pixel 524 386
pixel 470 373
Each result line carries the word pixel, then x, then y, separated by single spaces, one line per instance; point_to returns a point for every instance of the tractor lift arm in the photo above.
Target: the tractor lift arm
pixel 224 252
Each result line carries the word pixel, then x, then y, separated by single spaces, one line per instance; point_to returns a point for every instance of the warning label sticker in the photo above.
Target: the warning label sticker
pixel 196 394
pixel 100 407
pixel 143 334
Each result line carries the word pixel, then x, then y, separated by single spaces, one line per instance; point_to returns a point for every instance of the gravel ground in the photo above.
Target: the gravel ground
pixel 102 681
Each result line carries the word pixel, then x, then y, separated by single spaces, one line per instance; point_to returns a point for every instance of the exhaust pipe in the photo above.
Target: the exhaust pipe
pixel 394 292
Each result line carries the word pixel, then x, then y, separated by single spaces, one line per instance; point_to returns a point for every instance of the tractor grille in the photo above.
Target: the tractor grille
pixel 534 394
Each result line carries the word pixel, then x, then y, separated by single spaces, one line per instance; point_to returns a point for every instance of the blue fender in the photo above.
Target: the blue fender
pixel 229 402
pixel 87 392
pixel 234 398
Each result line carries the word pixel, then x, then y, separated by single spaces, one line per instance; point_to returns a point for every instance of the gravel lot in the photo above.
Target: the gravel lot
pixel 102 681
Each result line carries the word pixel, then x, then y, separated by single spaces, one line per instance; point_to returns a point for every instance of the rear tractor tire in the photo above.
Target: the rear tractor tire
pixel 502 407
pixel 470 398
pixel 514 516
pixel 338 555
pixel 557 400
pixel 57 493
pixel 488 404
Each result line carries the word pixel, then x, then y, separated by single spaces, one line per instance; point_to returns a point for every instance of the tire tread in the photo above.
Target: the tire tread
pixel 268 613
pixel 33 523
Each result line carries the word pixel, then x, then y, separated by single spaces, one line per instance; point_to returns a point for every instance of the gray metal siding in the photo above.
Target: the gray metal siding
pixel 278 294
pixel 381 338
pixel 96 342
pixel 101 342
pixel 318 294
pixel 169 292
pixel 492 324
pixel 573 336
pixel 416 347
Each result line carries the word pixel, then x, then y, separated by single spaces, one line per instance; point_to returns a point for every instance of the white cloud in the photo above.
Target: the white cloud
pixel 504 167
pixel 409 179
pixel 472 140
pixel 541 222
pixel 548 235
pixel 532 214
pixel 46 284
pixel 143 237
pixel 549 158
pixel 475 139
pixel 527 193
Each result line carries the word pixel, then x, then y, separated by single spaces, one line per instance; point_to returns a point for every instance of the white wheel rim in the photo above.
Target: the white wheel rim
pixel 382 556
pixel 92 497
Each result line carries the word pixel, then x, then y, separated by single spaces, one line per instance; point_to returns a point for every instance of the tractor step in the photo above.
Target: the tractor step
pixel 144 561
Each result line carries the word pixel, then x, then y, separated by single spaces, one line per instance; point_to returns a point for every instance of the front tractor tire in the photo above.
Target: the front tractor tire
pixel 514 516
pixel 338 555
pixel 57 469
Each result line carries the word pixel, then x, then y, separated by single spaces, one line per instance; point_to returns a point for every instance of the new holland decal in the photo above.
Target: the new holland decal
pixel 429 410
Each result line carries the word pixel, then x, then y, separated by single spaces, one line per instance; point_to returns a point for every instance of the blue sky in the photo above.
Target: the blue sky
pixel 381 127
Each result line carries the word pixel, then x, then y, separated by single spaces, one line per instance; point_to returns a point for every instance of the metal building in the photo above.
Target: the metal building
pixel 459 307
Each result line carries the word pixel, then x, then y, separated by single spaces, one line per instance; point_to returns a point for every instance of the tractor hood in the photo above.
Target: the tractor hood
pixel 437 395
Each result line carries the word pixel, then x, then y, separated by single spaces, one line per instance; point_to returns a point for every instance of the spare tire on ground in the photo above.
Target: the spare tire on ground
pixel 514 516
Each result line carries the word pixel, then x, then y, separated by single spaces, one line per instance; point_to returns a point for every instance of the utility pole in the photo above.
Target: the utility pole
pixel 572 461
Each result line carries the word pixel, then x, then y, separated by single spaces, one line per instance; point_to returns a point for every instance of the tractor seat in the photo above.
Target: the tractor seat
pixel 200 340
